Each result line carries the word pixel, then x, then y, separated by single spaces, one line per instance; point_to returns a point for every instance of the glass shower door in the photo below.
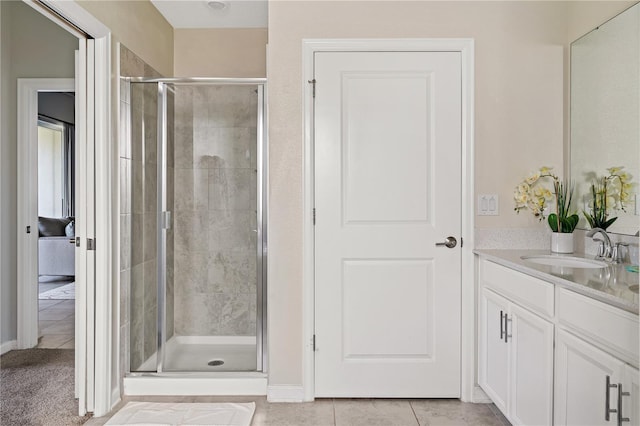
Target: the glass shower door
pixel 143 290
pixel 199 304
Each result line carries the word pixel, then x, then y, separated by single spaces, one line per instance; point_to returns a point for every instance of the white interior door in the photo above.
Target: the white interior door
pixel 387 189
pixel 85 227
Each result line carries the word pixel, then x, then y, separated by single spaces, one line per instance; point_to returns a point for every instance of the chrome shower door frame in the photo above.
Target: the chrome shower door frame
pixel 164 215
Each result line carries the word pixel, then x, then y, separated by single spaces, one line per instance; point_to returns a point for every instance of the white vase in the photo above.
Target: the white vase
pixel 562 242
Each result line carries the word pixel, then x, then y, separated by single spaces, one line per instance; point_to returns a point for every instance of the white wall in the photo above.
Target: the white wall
pixel 32 46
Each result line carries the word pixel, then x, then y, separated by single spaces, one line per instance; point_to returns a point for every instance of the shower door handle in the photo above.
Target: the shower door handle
pixel 166 220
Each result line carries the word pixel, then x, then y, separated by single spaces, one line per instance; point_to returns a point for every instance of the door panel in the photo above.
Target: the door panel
pixel 398 294
pixel 494 373
pixel 387 172
pixel 371 195
pixel 580 382
pixel 531 368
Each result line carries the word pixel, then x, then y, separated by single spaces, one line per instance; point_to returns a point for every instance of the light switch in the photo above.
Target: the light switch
pixel 488 205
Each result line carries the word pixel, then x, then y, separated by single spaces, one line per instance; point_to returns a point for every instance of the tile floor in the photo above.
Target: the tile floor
pixel 351 412
pixel 56 319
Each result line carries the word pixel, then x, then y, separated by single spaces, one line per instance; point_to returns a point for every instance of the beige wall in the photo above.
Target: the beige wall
pixel 139 26
pixel 32 47
pixel 225 52
pixel 519 77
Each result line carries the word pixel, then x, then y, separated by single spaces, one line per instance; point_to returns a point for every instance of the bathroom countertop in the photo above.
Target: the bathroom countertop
pixel 609 285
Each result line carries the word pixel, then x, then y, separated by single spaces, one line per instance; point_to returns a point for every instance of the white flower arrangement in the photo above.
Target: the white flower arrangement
pixel 608 194
pixel 532 195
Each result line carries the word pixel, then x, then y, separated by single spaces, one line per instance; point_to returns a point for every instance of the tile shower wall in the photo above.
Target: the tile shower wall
pixel 215 210
pixel 138 207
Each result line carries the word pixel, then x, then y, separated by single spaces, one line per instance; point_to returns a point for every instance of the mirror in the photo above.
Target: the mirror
pixel 605 118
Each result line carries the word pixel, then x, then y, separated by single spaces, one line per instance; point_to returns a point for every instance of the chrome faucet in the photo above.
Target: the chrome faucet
pixel 604 249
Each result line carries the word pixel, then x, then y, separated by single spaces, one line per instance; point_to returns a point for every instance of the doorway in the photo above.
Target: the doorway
pixel 56 220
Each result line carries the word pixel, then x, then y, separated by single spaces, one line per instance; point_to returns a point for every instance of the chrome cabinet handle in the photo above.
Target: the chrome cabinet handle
pixel 621 418
pixel 607 409
pixel 449 242
pixel 506 328
pixel 501 325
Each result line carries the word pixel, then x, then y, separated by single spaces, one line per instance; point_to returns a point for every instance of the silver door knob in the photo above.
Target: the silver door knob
pixel 449 242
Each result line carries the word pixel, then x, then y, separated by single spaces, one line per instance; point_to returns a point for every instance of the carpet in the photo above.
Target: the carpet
pixel 64 292
pixel 36 388
pixel 169 414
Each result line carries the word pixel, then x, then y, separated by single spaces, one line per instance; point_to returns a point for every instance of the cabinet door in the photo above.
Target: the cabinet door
pixel 494 354
pixel 531 352
pixel 580 382
pixel 631 402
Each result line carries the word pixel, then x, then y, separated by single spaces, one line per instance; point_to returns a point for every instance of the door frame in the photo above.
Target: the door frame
pixel 468 324
pixel 99 357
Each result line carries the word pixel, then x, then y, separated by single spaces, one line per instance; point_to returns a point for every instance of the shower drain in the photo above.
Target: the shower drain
pixel 215 362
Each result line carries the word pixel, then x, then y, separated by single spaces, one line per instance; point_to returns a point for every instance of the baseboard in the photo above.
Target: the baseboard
pixel 8 346
pixel 115 397
pixel 285 393
pixel 479 396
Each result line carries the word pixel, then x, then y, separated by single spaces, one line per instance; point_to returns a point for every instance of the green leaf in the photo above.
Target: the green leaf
pixel 553 222
pixel 608 223
pixel 569 223
pixel 589 219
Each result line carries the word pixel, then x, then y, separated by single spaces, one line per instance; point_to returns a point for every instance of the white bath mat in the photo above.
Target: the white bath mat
pixel 165 414
pixel 67 291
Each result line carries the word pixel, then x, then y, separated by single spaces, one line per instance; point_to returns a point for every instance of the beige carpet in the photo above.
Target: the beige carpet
pixel 36 388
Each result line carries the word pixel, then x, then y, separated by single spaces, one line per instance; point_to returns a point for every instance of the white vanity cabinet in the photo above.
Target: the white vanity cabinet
pixel 546 352
pixel 593 383
pixel 516 351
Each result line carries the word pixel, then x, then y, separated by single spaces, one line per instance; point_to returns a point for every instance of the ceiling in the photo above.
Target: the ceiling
pixel 220 14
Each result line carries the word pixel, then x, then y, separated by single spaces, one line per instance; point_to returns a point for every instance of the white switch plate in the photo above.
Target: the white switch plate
pixel 488 205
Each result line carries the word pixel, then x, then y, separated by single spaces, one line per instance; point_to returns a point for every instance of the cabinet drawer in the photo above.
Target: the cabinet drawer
pixel 613 329
pixel 526 290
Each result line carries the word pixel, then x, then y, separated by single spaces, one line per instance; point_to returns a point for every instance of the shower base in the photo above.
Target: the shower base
pixel 205 353
pixel 187 369
pixel 192 353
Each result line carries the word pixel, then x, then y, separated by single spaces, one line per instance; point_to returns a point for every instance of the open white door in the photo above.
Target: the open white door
pixel 85 227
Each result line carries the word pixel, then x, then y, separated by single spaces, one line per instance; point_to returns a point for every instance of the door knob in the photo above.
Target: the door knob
pixel 449 242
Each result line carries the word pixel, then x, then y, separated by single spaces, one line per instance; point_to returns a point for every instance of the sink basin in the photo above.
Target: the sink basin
pixel 565 261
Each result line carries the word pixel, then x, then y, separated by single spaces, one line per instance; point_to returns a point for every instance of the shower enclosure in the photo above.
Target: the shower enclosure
pixel 197 298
